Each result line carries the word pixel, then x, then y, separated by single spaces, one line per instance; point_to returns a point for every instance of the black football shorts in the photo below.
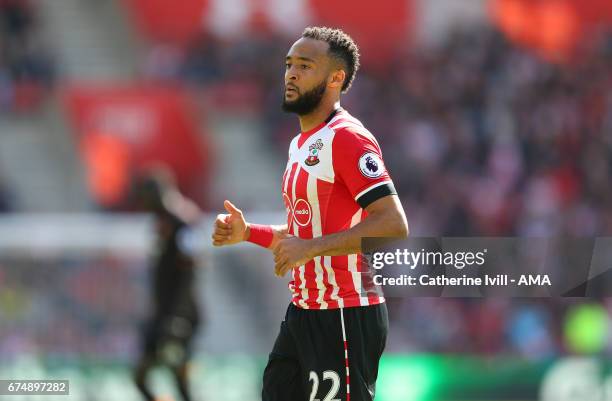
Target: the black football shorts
pixel 330 354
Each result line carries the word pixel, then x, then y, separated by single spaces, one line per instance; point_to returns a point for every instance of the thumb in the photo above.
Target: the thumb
pixel 231 208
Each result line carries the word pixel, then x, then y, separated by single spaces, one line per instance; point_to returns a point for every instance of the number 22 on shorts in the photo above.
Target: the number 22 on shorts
pixel 333 391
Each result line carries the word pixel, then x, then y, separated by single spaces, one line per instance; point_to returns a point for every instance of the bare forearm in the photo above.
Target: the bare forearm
pixel 349 241
pixel 280 232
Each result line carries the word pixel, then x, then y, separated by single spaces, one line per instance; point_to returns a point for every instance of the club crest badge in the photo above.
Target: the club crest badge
pixel 313 153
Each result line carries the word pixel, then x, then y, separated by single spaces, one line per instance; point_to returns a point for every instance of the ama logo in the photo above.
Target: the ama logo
pixel 371 165
pixel 534 279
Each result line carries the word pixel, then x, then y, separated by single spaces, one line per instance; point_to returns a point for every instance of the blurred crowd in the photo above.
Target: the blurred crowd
pixel 69 307
pixel 26 67
pixel 531 329
pixel 489 140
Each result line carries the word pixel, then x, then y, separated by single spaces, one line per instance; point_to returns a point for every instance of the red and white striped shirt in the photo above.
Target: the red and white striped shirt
pixel 334 171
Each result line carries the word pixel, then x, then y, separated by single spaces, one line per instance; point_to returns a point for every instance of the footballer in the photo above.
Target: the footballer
pixel 336 190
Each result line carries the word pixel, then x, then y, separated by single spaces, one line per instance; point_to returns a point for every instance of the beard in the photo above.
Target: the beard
pixel 306 103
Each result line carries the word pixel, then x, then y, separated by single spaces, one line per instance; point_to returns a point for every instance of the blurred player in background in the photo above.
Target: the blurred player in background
pixel 336 191
pixel 168 335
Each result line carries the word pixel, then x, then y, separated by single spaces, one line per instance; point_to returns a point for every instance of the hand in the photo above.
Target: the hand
pixel 290 252
pixel 229 228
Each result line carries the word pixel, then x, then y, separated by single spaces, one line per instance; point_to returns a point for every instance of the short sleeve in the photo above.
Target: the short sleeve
pixel 359 164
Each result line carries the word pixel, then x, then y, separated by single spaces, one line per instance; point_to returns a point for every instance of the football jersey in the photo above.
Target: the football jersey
pixel 334 171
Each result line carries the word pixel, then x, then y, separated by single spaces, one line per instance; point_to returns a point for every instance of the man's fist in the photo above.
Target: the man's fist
pixel 291 252
pixel 229 228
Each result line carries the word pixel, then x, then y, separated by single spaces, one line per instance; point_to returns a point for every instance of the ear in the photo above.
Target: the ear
pixel 337 79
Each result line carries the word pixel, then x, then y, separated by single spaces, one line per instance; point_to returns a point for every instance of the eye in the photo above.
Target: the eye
pixel 304 66
pixel 287 65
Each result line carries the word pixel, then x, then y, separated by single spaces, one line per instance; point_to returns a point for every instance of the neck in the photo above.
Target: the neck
pixel 319 115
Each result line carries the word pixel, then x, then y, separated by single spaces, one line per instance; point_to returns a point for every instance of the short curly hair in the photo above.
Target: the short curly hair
pixel 341 47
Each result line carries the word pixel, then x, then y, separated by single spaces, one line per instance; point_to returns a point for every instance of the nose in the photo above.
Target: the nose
pixel 290 74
